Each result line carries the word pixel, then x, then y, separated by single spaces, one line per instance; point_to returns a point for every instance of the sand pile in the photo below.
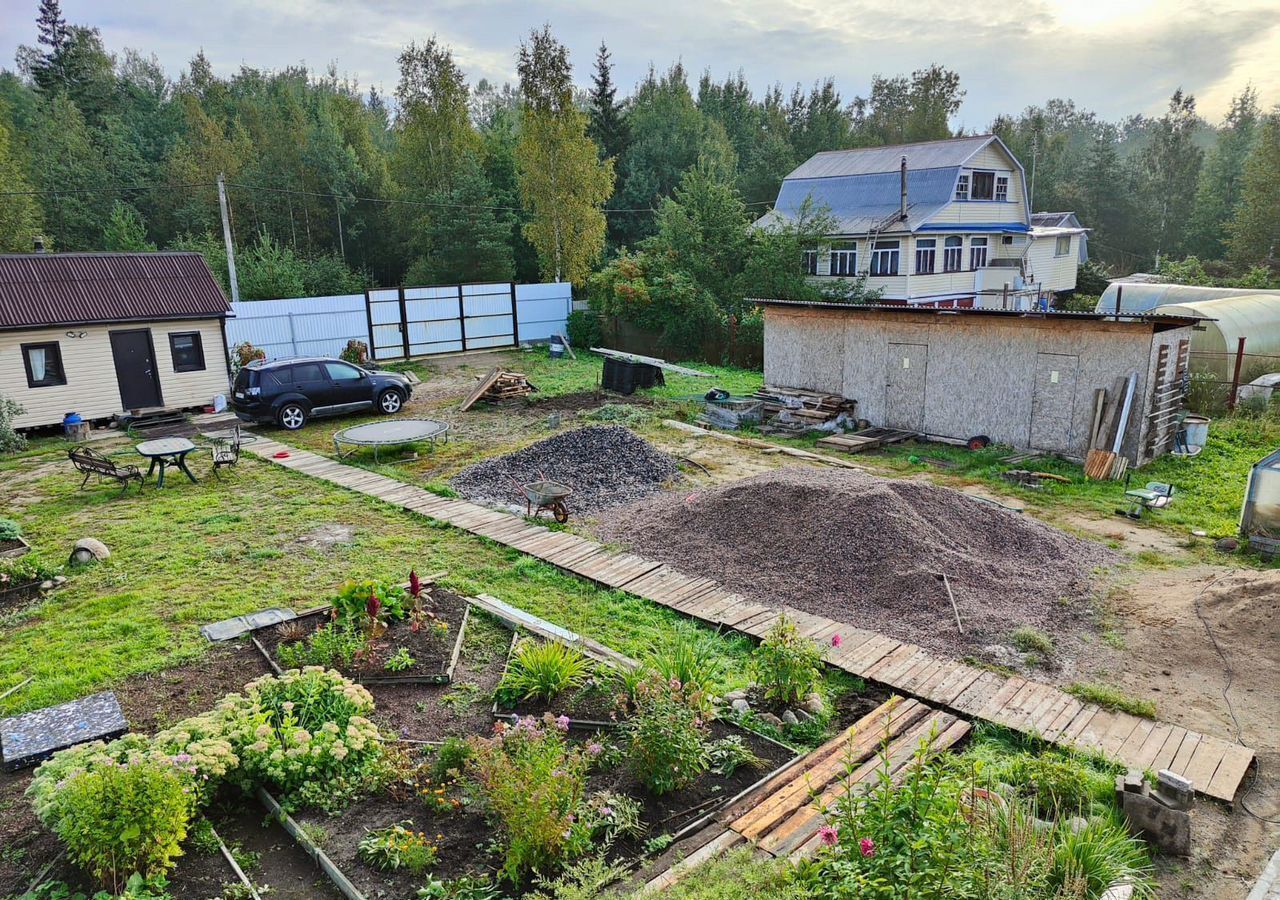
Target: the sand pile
pixel 867 550
pixel 606 465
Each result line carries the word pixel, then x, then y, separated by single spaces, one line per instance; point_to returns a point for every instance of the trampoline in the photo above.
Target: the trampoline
pixel 389 434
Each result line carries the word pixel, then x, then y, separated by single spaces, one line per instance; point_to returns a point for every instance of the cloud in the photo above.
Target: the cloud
pixel 1116 57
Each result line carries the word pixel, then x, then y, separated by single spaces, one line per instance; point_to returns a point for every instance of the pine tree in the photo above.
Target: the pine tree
pixel 563 182
pixel 54 34
pixel 125 232
pixel 464 238
pixel 1171 167
pixel 1254 233
pixel 1218 192
pixel 606 125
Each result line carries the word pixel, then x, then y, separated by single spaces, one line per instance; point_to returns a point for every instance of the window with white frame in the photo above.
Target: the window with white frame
pixel 926 255
pixel 977 252
pixel 1002 187
pixel 809 264
pixel 983 186
pixel 962 187
pixel 1062 246
pixel 953 254
pixel 844 259
pixel 43 363
pixel 884 258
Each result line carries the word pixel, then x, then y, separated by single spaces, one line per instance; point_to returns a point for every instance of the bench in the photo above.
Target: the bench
pixel 92 463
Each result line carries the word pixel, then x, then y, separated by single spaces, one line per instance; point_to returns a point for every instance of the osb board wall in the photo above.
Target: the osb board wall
pixel 980 376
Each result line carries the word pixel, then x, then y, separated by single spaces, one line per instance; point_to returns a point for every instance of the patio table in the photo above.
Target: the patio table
pixel 165 452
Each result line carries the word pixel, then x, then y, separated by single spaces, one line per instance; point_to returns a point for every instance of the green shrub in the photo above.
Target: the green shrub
pixel 542 669
pixel 118 819
pixel 531 783
pixel 787 665
pixel 583 329
pixel 24 569
pixel 600 821
pixel 399 661
pixel 398 847
pixel 334 645
pixel 690 656
pixel 667 741
pixel 9 530
pixel 306 734
pixel 451 757
pixel 352 602
pixel 10 440
pixel 730 754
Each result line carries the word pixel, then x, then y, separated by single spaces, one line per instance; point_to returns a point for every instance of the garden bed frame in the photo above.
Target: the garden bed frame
pixel 14 548
pixel 442 678
pixel 18 593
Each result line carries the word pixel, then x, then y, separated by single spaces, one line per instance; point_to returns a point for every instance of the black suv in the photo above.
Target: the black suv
pixel 288 392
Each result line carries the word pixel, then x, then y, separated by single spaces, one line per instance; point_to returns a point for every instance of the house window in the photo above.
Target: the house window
pixel 809 264
pixel 977 252
pixel 1062 246
pixel 984 186
pixel 962 187
pixel 1002 187
pixel 44 365
pixel 926 252
pixel 844 258
pixel 884 258
pixel 187 351
pixel 953 254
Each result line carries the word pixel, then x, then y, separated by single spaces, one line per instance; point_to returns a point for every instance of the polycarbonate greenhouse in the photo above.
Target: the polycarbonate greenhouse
pixel 1254 317
pixel 1260 515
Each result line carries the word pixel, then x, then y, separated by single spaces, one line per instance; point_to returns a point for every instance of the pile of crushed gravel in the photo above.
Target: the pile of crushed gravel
pixel 606 465
pixel 865 550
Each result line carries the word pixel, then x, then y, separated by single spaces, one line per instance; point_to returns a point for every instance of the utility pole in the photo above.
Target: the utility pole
pixel 226 237
pixel 342 247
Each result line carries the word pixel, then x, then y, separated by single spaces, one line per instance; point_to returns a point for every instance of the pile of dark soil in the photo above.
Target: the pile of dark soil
pixel 606 465
pixel 868 551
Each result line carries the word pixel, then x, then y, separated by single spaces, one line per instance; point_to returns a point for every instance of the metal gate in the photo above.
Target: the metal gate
pixel 420 321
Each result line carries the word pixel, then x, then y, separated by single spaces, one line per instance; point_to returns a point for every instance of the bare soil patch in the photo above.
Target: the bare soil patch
pixel 867 550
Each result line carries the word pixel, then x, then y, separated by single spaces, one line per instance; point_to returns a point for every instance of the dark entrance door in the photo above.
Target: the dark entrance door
pixel 135 360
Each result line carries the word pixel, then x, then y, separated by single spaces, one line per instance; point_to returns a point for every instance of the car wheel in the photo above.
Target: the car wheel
pixel 390 401
pixel 292 416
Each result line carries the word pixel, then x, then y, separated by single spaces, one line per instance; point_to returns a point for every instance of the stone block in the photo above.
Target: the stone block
pixel 1169 829
pixel 1174 791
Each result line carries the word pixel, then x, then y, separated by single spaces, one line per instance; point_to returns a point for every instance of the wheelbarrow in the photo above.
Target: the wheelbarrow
pixel 546 494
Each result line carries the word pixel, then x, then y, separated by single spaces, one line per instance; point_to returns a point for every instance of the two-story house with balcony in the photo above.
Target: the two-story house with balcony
pixel 941 223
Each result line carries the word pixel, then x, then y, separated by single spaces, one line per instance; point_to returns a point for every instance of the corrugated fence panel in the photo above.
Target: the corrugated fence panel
pixel 321 326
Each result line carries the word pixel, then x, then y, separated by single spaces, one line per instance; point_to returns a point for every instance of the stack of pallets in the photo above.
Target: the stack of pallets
pixel 497 386
pixel 795 410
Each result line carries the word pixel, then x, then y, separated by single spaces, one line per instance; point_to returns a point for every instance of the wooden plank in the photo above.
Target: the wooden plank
pixel 478 391
pixel 761 624
pixel 1002 696
pixel 1127 752
pixel 1164 758
pixel 892 673
pixel 1235 763
pixel 1124 726
pixel 1204 762
pixel 1145 755
pixel 976 695
pixel 1185 751
pixel 1070 734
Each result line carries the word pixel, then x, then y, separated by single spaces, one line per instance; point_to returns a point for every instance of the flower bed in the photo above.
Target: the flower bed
pixel 20 579
pixel 591 700
pixel 401 650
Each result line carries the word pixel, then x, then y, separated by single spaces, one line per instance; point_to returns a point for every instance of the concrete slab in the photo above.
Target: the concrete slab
pixel 233 628
pixel 35 736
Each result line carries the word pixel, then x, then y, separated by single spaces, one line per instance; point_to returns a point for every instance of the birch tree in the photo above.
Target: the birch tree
pixel 563 182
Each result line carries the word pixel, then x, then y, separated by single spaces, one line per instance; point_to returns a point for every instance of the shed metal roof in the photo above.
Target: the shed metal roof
pixel 1157 322
pixel 51 289
pixel 949 153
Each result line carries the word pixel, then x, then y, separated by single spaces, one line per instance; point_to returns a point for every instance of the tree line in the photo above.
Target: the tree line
pixel 333 188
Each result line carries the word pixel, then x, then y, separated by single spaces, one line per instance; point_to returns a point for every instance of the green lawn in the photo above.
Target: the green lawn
pixel 191 554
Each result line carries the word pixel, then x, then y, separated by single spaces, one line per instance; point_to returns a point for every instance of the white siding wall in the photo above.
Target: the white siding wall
pixel 91 388
pixel 983 211
pixel 1055 273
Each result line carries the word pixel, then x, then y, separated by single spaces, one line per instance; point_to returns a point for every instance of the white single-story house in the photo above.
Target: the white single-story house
pixel 104 334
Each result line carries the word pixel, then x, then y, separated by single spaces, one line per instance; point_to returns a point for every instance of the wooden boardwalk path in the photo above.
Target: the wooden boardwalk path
pixel 1215 766
pixel 781 816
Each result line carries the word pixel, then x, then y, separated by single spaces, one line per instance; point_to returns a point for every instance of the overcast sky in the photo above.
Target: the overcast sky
pixel 1113 56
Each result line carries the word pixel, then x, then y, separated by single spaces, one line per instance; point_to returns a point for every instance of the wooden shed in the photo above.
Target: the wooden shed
pixel 1020 378
pixel 102 334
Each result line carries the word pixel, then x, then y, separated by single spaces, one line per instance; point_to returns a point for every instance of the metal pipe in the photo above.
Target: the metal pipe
pixel 902 209
pixel 1235 376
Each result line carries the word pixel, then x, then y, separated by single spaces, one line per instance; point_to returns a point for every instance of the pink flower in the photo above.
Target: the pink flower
pixel 828 835
pixel 594 749
pixel 562 722
pixel 836 640
pixel 415 583
pixel 867 846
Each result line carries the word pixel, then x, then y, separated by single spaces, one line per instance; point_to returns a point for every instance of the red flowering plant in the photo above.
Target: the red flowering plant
pixel 420 613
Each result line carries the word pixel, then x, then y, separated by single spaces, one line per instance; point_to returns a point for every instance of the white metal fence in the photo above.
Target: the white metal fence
pixel 321 326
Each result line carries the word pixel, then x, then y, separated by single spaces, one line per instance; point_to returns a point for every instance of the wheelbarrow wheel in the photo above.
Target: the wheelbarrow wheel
pixel 560 511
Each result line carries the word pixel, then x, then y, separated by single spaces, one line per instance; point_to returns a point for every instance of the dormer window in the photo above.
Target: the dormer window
pixel 984 186
pixel 1002 187
pixel 962 187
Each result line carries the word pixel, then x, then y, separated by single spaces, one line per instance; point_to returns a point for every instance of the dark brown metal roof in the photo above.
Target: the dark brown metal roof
pixel 42 289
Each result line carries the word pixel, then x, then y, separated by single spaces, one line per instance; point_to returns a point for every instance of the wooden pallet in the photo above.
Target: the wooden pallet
pixel 867 439
pixel 496 386
pixel 1216 767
